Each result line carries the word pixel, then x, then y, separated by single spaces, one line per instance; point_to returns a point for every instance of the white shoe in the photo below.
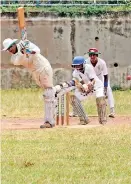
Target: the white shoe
pixel 73 115
pixel 112 113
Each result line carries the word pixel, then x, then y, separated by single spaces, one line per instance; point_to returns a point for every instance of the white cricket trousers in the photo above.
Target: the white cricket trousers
pixel 110 97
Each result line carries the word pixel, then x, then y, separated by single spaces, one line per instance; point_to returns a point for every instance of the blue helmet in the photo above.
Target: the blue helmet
pixel 78 63
pixel 78 60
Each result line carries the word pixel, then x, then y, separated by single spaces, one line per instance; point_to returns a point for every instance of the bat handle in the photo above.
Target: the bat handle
pixel 23 34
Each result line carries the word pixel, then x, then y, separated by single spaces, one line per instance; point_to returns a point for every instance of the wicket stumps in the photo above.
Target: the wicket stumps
pixel 62 116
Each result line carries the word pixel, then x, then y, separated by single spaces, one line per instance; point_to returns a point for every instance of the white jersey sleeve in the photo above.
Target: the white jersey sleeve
pixel 33 47
pixel 76 75
pixel 104 68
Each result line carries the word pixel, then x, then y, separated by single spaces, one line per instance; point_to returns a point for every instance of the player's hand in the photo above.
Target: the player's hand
pixel 88 87
pixel 57 88
pixel 32 52
pixel 60 87
pixel 21 44
pixel 78 85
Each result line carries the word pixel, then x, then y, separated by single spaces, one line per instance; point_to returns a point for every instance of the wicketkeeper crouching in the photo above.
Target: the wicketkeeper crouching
pixel 27 54
pixel 85 82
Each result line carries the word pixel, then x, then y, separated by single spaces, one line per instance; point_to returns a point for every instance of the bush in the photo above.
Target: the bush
pixel 116 87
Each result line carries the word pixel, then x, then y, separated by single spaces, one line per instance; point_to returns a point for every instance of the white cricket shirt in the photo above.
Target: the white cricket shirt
pixel 100 68
pixel 37 64
pixel 89 74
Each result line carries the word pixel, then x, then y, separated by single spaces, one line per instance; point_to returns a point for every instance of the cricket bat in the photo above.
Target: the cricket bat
pixel 21 23
pixel 22 28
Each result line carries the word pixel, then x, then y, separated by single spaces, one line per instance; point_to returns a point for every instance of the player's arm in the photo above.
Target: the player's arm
pixel 89 71
pixel 106 80
pixel 75 81
pixel 34 48
pixel 28 47
pixel 105 74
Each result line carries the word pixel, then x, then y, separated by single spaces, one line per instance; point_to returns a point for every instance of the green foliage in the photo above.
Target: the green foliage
pixel 116 87
pixel 64 11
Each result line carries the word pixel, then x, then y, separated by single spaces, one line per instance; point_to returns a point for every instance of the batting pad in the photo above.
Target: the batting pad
pixel 49 105
pixel 101 109
pixel 77 106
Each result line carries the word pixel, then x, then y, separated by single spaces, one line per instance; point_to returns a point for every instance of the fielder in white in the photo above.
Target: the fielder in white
pixel 41 71
pixel 101 71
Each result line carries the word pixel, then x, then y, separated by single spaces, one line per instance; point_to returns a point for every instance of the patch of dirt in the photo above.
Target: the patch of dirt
pixel 20 124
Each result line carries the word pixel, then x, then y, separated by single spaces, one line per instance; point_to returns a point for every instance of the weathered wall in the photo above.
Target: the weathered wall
pixel 60 39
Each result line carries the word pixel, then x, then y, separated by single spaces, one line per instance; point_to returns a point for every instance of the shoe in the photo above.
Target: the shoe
pixel 84 122
pixel 103 122
pixel 111 115
pixel 46 125
pixel 73 115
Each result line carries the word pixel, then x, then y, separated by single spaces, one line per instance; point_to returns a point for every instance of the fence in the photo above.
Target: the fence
pixel 64 2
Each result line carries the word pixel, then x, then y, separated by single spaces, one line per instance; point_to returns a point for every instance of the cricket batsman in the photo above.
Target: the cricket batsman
pixel 40 69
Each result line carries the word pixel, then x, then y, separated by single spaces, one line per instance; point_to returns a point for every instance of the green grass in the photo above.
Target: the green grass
pixel 100 155
pixel 29 103
pixel 67 156
pixel 122 103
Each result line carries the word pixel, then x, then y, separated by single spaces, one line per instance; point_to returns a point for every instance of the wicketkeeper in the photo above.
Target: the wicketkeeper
pixel 86 82
pixel 27 54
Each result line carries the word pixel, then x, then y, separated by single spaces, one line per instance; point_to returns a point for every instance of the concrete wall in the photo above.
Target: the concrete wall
pixel 60 39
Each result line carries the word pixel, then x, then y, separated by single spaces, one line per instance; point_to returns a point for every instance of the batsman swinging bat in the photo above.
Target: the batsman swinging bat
pixel 21 22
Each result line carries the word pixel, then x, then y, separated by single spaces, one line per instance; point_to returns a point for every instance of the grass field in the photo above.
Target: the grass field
pixel 29 103
pixel 67 156
pixel 100 155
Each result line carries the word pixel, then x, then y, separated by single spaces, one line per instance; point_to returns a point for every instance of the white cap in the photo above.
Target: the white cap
pixel 8 42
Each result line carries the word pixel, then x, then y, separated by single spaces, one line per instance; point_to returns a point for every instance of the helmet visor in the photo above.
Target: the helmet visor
pixel 78 67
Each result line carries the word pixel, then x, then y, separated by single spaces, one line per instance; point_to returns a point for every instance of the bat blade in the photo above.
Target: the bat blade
pixel 21 23
pixel 21 17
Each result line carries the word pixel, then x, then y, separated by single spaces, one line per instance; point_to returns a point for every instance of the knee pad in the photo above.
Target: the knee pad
pixel 49 94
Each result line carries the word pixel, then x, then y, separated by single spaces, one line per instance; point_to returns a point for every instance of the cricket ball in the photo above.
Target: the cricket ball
pixel 128 77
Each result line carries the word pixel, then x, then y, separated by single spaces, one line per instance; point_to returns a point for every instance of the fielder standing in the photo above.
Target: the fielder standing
pixel 40 69
pixel 101 71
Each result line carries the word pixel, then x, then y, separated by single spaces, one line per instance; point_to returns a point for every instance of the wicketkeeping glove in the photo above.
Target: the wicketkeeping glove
pixel 88 87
